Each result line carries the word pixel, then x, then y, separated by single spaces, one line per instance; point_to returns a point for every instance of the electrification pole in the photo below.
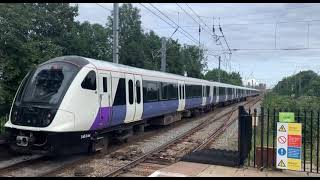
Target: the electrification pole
pixel 199 42
pixel 116 33
pixel 163 54
pixel 219 69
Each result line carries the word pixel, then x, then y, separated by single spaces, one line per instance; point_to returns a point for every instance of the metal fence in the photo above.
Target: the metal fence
pixel 244 134
pixel 264 124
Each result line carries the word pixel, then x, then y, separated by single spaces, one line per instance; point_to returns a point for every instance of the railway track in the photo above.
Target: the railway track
pixel 55 166
pixel 154 160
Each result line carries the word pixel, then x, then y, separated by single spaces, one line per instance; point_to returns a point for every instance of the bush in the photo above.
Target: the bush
pixel 3 120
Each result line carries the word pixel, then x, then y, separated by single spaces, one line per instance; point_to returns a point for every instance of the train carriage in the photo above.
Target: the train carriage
pixel 73 103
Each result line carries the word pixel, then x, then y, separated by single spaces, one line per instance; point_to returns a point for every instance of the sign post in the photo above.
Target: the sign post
pixel 288 142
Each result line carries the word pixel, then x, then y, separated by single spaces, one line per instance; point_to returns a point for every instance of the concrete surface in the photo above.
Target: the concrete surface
pixel 185 169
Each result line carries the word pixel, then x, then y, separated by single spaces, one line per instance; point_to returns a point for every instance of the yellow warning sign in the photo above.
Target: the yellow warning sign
pixel 294 164
pixel 282 129
pixel 281 164
pixel 294 128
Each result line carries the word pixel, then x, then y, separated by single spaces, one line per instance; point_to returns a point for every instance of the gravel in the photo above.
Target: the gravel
pixel 121 157
pixel 228 140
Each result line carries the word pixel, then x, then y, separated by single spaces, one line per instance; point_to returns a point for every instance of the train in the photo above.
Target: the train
pixel 80 104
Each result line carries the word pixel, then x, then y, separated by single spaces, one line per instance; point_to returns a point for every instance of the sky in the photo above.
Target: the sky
pixel 265 38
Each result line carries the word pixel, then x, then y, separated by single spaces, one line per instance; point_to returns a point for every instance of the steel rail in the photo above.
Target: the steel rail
pixel 160 148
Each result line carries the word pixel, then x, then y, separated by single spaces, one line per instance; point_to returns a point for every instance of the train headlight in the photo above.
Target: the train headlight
pixel 14 115
pixel 48 118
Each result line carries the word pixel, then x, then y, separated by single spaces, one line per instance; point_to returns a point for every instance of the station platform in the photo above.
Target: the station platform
pixel 189 169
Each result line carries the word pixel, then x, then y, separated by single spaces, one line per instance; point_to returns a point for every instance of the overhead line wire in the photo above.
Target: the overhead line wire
pixel 166 21
pixel 174 22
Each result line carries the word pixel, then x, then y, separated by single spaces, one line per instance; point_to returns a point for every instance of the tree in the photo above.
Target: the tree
pixel 151 47
pixel 230 78
pixel 30 34
pixel 302 83
pixel 131 36
pixel 36 32
pixel 90 40
pixel 194 62
pixel 174 57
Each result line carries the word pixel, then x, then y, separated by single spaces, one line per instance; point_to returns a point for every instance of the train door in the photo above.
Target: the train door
pixel 211 94
pixel 105 97
pixel 134 99
pixel 130 96
pixel 181 95
pixel 138 97
pixel 203 95
pixel 233 93
pixel 226 94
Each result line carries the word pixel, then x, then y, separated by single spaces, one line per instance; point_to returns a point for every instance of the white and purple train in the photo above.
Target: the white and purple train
pixel 74 103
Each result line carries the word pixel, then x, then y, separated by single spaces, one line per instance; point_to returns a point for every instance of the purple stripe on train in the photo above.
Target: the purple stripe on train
pixel 222 98
pixel 102 118
pixel 153 109
pixel 208 100
pixel 193 102
pixel 105 118
pixel 118 114
pixel 214 99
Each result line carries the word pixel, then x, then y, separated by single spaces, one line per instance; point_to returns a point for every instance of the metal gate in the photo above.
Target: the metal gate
pixel 263 139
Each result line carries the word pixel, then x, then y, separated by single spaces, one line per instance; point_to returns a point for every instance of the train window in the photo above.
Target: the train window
pixel 208 91
pixel 23 85
pixel 105 85
pixel 214 91
pixel 197 91
pixel 172 91
pixel 138 91
pixel 203 91
pixel 47 83
pixel 150 91
pixel 89 81
pixel 164 91
pixel 120 97
pixel 183 97
pixel 222 91
pixel 180 93
pixel 188 91
pixel 130 91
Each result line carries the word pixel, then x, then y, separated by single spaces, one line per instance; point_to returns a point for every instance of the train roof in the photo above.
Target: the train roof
pixel 106 65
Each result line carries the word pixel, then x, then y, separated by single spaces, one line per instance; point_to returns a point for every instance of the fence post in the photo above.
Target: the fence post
pixel 318 119
pixel 311 141
pixel 268 139
pixel 273 136
pixel 239 132
pixel 254 137
pixel 262 128
pixel 250 138
pixel 304 140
